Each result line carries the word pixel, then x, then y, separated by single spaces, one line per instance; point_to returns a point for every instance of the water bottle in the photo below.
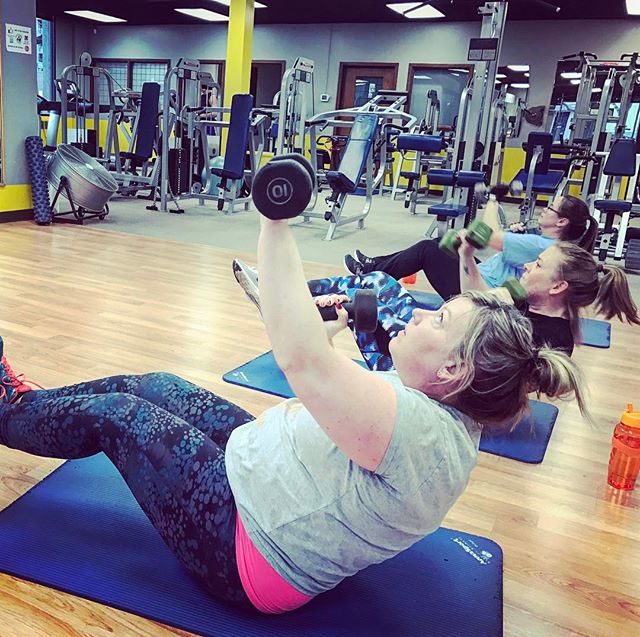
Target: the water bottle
pixel 624 462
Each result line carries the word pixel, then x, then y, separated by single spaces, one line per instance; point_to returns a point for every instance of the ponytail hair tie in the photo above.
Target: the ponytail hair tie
pixel 535 357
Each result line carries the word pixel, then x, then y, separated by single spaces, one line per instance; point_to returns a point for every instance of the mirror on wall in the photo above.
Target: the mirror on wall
pixel 512 81
pixel 562 122
pixel 436 87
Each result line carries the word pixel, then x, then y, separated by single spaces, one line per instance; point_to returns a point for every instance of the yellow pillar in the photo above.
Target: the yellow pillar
pixel 237 75
pixel 237 72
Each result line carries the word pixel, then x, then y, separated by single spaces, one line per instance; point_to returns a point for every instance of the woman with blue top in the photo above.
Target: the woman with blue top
pixel 567 218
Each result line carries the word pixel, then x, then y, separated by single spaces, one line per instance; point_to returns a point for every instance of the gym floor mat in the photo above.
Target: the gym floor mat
pixel 81 531
pixel 526 443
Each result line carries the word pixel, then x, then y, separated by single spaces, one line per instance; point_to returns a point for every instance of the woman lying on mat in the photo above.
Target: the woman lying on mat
pixel 566 219
pixel 560 282
pixel 270 512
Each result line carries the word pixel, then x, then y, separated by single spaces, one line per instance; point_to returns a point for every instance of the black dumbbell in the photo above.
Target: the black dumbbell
pixel 499 191
pixel 363 310
pixel 282 188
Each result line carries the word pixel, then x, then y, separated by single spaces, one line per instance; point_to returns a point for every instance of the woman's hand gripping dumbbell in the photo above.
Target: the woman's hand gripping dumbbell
pixel 478 232
pixel 282 189
pixel 363 310
pixel 516 291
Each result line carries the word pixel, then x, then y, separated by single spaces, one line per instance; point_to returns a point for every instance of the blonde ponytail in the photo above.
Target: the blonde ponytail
pixel 555 375
pixel 614 297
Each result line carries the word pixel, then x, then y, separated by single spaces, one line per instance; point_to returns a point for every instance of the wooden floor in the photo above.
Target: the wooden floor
pixel 77 303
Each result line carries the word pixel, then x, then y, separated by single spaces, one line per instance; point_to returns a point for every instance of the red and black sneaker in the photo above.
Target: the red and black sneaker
pixel 12 385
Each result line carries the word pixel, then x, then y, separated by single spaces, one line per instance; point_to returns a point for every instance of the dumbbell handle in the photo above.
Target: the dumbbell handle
pixel 329 312
pixel 362 310
pixel 499 191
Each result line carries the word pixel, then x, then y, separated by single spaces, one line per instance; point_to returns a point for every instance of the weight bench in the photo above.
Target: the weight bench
pixel 537 176
pixel 81 531
pixel 449 213
pixel 232 172
pixel 610 202
pixel 594 333
pixel 420 144
pixel 142 145
pixel 356 157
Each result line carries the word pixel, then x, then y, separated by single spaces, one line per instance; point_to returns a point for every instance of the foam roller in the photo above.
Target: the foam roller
pixel 38 176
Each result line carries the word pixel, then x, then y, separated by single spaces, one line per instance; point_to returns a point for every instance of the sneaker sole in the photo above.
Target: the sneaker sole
pixel 346 267
pixel 245 283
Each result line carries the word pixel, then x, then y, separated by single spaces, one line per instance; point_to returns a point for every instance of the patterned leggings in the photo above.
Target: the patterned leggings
pixel 395 308
pixel 167 438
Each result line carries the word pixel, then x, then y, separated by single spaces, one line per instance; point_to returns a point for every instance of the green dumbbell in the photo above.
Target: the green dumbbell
pixel 516 290
pixel 478 235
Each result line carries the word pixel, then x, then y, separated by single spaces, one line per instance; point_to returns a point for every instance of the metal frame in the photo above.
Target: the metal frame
pixel 182 113
pixel 86 78
pixel 610 187
pixel 390 116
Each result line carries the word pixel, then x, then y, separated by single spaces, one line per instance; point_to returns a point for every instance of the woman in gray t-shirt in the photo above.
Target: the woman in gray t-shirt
pixel 357 468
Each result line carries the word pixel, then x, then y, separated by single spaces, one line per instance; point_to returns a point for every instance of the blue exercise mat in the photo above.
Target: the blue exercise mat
pixel 525 443
pixel 81 531
pixel 594 333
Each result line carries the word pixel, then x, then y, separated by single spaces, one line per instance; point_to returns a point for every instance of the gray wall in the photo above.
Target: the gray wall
pixel 72 38
pixel 19 89
pixel 539 44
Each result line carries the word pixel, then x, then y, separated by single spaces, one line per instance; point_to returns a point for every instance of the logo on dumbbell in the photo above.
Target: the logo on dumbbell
pixel 279 191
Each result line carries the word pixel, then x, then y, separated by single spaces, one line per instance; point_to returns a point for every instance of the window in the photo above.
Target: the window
pixel 119 72
pixel 142 72
pixel 131 74
pixel 45 58
pixel 447 81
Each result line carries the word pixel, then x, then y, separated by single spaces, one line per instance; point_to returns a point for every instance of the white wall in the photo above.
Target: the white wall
pixel 540 44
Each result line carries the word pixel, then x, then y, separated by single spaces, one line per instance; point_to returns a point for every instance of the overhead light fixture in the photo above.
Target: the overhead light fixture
pixel 571 75
pixel 94 15
pixel 520 85
pixel 596 90
pixel 501 76
pixel 518 68
pixel 422 77
pixel 460 70
pixel 526 74
pixel 416 10
pixel 574 82
pixel 227 3
pixel 204 14
pixel 633 7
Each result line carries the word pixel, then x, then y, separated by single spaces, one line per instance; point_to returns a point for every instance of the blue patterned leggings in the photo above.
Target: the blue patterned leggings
pixel 167 438
pixel 395 308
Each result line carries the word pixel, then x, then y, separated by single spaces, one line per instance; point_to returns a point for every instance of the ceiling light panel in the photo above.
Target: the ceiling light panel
pixel 416 10
pixel 95 16
pixel 227 3
pixel 204 14
pixel 633 7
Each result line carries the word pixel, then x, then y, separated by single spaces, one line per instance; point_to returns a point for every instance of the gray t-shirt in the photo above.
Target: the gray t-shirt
pixel 317 516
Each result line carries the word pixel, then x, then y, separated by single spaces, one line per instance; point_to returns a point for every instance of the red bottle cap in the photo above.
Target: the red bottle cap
pixel 631 418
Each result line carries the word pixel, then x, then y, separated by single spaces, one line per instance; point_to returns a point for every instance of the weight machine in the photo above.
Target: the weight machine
pixel 185 168
pixel 371 126
pixel 77 83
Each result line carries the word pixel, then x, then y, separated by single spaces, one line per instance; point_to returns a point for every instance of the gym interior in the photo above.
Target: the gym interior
pixel 133 138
